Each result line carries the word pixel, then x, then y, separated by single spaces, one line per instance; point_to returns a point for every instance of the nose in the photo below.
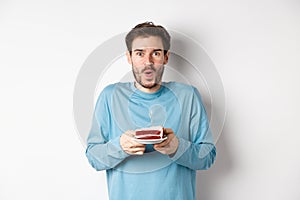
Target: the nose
pixel 148 59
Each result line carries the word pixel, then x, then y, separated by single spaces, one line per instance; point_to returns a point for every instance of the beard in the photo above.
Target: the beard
pixel 157 73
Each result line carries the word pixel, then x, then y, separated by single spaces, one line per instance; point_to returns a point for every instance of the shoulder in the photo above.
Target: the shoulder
pixel 111 90
pixel 181 88
pixel 184 92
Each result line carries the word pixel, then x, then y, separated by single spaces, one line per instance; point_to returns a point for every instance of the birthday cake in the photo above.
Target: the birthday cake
pixel 149 133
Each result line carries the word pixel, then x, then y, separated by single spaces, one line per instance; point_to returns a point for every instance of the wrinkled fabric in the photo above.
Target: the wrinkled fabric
pixel 122 107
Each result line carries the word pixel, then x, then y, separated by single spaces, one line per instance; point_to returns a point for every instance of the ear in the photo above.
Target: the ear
pixel 128 57
pixel 166 57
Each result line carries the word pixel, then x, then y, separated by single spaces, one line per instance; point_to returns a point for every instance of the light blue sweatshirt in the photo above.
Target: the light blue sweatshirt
pixel 121 107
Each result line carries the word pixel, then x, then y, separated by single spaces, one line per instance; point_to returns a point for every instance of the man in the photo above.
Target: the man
pixel 163 171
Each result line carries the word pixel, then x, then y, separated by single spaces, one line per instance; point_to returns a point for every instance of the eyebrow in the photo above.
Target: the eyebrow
pixel 144 49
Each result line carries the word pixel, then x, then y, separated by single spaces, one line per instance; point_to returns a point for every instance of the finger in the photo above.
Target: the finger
pixel 161 150
pixel 136 149
pixel 129 133
pixel 135 143
pixel 167 131
pixel 137 146
pixel 139 153
pixel 166 142
pixel 157 148
pixel 133 146
pixel 131 142
pixel 160 145
pixel 135 153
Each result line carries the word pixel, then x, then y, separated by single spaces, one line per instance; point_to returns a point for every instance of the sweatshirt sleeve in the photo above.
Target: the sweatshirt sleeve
pixel 198 152
pixel 102 151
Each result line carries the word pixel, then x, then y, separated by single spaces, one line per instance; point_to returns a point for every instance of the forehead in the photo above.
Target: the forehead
pixel 147 43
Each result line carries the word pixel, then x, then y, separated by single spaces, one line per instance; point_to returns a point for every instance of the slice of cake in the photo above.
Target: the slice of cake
pixel 149 133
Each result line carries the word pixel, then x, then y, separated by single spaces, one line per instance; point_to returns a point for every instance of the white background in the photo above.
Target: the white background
pixel 255 46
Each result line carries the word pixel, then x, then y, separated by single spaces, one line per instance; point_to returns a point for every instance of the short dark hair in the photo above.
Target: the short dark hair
pixel 147 29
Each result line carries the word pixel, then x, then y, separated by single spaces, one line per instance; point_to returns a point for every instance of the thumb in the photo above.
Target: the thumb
pixel 167 131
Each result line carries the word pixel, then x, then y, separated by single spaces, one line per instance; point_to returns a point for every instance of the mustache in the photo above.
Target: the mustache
pixel 148 67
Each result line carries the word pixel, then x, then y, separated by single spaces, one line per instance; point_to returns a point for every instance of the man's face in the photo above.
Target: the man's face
pixel 147 59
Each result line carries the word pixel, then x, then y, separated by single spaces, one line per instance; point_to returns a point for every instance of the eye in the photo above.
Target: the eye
pixel 156 53
pixel 139 53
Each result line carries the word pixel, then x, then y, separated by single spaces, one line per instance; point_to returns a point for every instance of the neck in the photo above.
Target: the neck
pixel 147 90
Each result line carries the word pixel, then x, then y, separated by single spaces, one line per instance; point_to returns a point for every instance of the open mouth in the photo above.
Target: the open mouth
pixel 148 73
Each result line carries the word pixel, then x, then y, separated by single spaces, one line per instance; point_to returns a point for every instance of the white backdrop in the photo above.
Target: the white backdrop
pixel 255 46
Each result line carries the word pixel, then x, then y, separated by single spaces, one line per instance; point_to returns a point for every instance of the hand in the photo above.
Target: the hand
pixel 129 145
pixel 170 145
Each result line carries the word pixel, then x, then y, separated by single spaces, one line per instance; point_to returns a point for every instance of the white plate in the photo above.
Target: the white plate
pixel 153 141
